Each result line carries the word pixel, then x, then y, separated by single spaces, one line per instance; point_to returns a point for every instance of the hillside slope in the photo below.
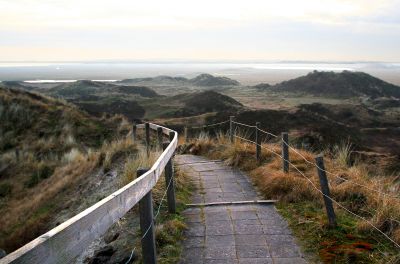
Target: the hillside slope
pixel 26 117
pixel 204 102
pixel 129 108
pixel 202 80
pixel 342 85
pixel 47 147
pixel 138 90
pixel 98 98
pixel 15 85
pixel 84 88
pixel 210 80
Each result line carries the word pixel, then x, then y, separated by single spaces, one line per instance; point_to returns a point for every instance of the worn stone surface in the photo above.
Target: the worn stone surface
pixel 246 233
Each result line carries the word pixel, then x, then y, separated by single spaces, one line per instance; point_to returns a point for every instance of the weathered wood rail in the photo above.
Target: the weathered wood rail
pixel 65 242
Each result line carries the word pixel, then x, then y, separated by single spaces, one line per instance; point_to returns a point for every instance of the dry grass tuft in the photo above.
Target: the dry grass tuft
pixel 385 215
pixel 281 186
pixel 342 153
pixel 72 155
pixel 115 150
pixel 236 154
pixel 139 160
pixel 203 144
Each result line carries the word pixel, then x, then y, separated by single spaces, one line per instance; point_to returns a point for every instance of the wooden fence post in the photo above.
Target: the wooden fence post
pixel 186 135
pixel 147 128
pixel 134 128
pixel 169 181
pixel 147 225
pixel 17 154
pixel 325 190
pixel 258 142
pixel 171 136
pixel 231 118
pixel 160 138
pixel 285 152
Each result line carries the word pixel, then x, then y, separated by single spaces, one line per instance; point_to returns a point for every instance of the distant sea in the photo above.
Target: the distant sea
pixel 246 73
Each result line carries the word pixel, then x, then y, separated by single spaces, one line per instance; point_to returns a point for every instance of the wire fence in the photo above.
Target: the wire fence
pixel 211 125
pixel 234 135
pixel 241 124
pixel 304 158
pixel 268 133
pixel 316 188
pixel 338 176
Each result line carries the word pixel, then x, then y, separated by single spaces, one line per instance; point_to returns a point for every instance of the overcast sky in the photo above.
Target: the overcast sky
pixel 71 30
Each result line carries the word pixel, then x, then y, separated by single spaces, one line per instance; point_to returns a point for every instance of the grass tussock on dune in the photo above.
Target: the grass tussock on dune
pixel 303 205
pixel 26 213
pixel 47 147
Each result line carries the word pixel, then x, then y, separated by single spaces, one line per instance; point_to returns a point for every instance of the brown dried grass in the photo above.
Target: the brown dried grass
pixel 27 214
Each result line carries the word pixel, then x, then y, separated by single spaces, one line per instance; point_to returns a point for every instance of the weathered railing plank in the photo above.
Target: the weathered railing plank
pixel 68 240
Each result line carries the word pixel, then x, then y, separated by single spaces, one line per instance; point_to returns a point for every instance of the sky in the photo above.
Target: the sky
pixel 206 30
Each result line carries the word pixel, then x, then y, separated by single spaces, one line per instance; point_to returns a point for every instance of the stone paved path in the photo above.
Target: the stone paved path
pixel 232 233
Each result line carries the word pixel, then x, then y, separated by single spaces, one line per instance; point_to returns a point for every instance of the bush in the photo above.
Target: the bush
pixel 5 189
pixel 43 172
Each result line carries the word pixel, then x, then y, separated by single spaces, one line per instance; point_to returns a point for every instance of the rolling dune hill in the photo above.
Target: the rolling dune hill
pixel 341 85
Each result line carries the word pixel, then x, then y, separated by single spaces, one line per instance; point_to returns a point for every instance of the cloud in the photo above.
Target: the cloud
pixel 179 14
pixel 209 29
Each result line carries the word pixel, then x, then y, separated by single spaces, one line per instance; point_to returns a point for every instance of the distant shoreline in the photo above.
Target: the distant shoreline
pixel 202 62
pixel 245 73
pixel 65 81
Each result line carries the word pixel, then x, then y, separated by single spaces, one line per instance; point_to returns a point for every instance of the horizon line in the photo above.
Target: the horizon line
pixel 162 61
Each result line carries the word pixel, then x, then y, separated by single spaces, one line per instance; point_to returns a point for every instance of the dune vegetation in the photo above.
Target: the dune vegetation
pixel 47 148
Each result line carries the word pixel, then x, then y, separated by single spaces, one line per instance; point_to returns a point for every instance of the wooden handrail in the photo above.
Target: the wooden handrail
pixel 65 242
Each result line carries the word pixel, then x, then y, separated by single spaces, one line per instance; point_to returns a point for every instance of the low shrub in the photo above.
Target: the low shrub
pixel 5 189
pixel 43 172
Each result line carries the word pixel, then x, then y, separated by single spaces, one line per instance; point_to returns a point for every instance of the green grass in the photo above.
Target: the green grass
pixel 156 108
pixel 169 234
pixel 343 244
pixel 170 227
